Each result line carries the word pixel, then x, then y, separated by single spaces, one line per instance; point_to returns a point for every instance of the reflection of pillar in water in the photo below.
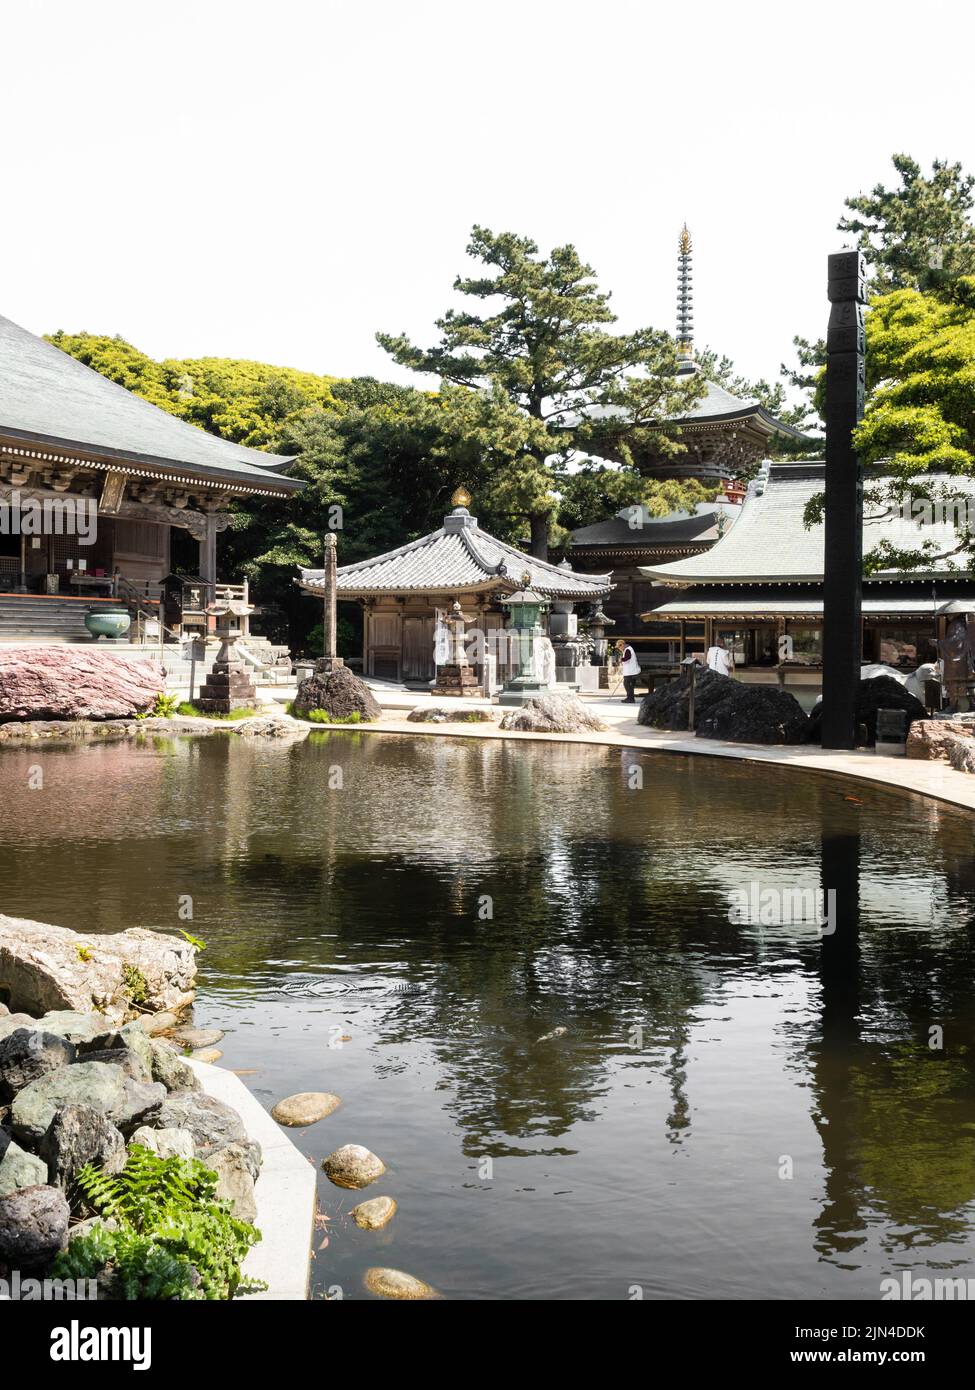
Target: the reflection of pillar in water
pixel 836 1053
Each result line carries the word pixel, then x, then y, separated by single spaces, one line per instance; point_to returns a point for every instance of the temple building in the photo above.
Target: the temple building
pixel 78 445
pixel 724 436
pixel 760 587
pixel 407 595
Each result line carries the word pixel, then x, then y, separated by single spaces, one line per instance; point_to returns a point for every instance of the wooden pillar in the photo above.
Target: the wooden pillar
pixel 843 575
pixel 208 555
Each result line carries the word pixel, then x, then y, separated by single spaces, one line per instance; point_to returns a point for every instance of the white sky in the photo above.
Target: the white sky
pixel 279 180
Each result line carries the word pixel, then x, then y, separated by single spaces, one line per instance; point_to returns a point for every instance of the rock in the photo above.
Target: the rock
pixel 553 714
pixel 11 1022
pixel 393 1283
pixel 80 1134
pixel 170 1068
pixel 130 1039
pixel 47 968
pixel 85 1083
pixel 154 1024
pixel 197 1037
pixel 17 1168
pixel 140 1102
pixel 271 726
pixel 212 1124
pixel 3 1010
pixel 339 692
pixel 942 740
pixel 68 682
pixel 124 1057
pixel 374 1214
pixel 353 1166
pixel 74 1027
pixel 879 692
pixel 305 1108
pixel 207 1054
pixel 28 1053
pixel 436 714
pixel 33 1226
pixel 727 709
pixel 235 1182
pixel 167 1143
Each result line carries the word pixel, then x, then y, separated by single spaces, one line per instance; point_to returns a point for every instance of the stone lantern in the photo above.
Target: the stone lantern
pixel 525 608
pixel 456 676
pixel 229 685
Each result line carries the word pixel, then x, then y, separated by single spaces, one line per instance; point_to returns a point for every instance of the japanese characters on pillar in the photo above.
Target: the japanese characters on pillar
pixel 843 584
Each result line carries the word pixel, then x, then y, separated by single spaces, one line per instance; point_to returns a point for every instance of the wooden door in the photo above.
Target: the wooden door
pixel 418 649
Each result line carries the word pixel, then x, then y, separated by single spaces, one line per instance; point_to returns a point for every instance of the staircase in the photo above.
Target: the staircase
pixel 39 618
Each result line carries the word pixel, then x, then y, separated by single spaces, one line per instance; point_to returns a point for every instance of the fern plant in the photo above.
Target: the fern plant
pixel 174 1239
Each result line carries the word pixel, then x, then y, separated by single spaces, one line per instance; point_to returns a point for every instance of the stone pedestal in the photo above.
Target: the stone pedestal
pixel 456 678
pixel 228 686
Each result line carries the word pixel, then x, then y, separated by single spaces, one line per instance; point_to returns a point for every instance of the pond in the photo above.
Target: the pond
pixel 735 1108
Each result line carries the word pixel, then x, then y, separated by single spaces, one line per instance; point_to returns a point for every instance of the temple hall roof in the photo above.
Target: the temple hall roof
pixel 48 397
pixel 769 542
pixel 456 558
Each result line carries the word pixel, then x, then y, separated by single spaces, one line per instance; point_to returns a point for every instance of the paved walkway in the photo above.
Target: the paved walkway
pixel 933 779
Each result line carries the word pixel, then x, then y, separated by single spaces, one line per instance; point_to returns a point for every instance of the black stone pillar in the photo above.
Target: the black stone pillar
pixel 842 589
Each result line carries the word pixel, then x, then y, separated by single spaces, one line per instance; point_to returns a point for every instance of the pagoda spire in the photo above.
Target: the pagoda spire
pixel 685 300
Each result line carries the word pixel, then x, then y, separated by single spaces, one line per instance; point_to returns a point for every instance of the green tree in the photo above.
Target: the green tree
pixel 918 235
pixel 549 384
pixel 920 415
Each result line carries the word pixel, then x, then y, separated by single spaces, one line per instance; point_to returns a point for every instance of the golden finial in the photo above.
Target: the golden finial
pixel 685 241
pixel 461 498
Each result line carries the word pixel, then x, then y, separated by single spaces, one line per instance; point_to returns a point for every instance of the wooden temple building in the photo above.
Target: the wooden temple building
pixel 763 581
pixel 78 443
pixel 407 596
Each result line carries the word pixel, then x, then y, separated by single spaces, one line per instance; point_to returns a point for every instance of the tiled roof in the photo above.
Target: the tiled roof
pixel 459 556
pixel 714 406
pixel 706 603
pixel 657 531
pixel 769 541
pixel 47 396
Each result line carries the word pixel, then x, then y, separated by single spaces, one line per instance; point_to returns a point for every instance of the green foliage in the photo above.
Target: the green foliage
pixel 536 380
pixel 920 415
pixel 192 712
pixel 194 941
pixel 250 403
pixel 920 235
pixel 322 716
pixel 175 1239
pixel 134 984
pixel 593 492
pixel 347 641
pixel 164 707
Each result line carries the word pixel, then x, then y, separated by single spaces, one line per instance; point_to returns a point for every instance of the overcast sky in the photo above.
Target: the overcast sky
pixel 278 181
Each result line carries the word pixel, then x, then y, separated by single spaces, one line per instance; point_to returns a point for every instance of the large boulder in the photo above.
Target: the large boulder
pixel 28 1053
pixel 213 1125
pixel 45 968
pixel 33 1226
pixel 339 692
pixel 80 1134
pixel 553 714
pixel 727 709
pixel 67 682
pixel 873 694
pixel 85 1083
pixel 170 1068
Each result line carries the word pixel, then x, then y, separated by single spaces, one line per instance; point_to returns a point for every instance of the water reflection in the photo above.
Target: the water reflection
pixel 526 888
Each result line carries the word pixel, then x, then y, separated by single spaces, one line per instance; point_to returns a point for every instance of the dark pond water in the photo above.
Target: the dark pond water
pixel 735 1109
